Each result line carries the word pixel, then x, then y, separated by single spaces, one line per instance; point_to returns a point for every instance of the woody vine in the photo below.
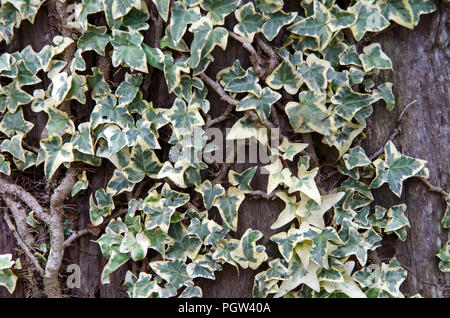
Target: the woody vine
pixel 312 63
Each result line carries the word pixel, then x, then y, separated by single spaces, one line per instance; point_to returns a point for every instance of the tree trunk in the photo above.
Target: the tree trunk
pixel 419 57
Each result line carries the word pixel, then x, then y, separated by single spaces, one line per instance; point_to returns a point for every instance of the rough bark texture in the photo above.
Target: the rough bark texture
pixel 419 59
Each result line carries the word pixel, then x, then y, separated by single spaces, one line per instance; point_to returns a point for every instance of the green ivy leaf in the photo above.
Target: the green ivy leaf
pixel 229 206
pixel 370 19
pixel 262 104
pixel 218 10
pixel 128 50
pixel 395 169
pixel 250 22
pixel 15 123
pixel 56 153
pixel 143 162
pixel 275 21
pixel 94 38
pixel 316 25
pixel 210 193
pixel 181 17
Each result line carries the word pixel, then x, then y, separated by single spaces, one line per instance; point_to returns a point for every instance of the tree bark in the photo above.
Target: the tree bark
pixel 419 57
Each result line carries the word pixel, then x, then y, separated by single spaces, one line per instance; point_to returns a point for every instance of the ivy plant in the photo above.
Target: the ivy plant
pixel 159 203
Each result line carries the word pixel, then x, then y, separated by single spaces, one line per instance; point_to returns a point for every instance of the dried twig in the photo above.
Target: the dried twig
pixel 273 57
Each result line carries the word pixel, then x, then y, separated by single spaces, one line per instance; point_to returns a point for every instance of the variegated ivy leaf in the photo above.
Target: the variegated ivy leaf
pixel 144 130
pixel 116 260
pixel 343 141
pixel 12 96
pixel 341 19
pixel 369 19
pixel 7 277
pixel 444 256
pixel 316 25
pixel 204 229
pixel 203 266
pixel 143 162
pixel 291 149
pixel 420 7
pixel 247 128
pixel 173 272
pixel 394 169
pixel 275 21
pixel 285 76
pixel 82 140
pixel 217 37
pixel 87 7
pixel 30 59
pixel 182 117
pixel 227 74
pixel 107 112
pixel 356 157
pixel 248 254
pixel 14 147
pixel 15 123
pixel 287 241
pixel 266 282
pixel 374 58
pixel 224 250
pixel 314 73
pixel 312 112
pixel 78 89
pixel 384 91
pixel 174 172
pixel 201 30
pixel 349 102
pixel 289 211
pixel 172 71
pixel 358 244
pixel 61 84
pixel 399 11
pixel 299 274
pixel 128 50
pixel 81 184
pixel 27 8
pixel 248 83
pixel 163 8
pixel 5 166
pixel 210 193
pixel 262 104
pixel 320 243
pixel 184 245
pixel 94 38
pixel 312 213
pixel 277 175
pixel 250 22
pixel 59 122
pixel 305 183
pixel 122 7
pixel 180 18
pixel 56 153
pixel 137 245
pixel 119 183
pixel 228 206
pixel 128 89
pixel 101 209
pixel 242 180
pixel 397 218
pixel 188 87
pixel 154 56
pixel 269 6
pixel 218 9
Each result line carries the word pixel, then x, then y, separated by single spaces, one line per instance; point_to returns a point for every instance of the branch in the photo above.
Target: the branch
pixel 218 89
pixel 254 57
pixel 262 194
pixel 20 218
pixel 56 227
pixel 75 236
pixel 273 57
pixel 22 244
pixel 7 188
pixel 433 188
pixel 396 131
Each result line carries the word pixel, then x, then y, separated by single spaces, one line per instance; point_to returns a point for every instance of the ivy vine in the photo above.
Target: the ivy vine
pixel 310 64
